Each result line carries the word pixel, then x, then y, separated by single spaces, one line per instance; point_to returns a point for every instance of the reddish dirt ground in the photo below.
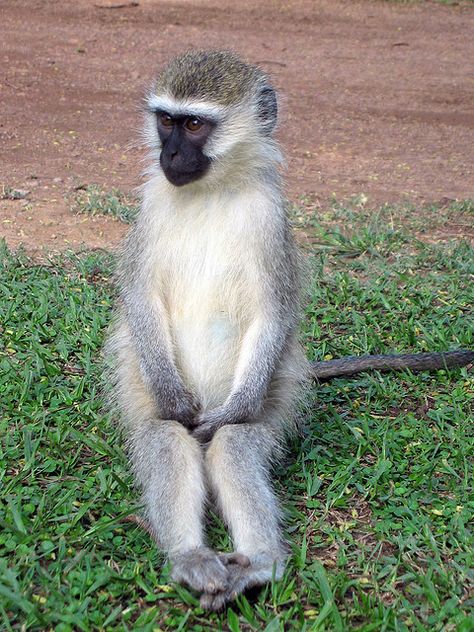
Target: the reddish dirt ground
pixel 377 98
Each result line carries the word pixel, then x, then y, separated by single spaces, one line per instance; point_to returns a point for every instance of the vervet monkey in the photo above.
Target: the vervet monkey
pixel 205 348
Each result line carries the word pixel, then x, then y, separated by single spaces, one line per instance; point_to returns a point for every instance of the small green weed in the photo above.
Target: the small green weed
pixel 91 199
pixel 9 193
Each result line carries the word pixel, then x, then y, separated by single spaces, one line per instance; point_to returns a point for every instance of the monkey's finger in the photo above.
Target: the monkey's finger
pixel 191 424
pixel 234 558
pixel 203 433
pixel 197 408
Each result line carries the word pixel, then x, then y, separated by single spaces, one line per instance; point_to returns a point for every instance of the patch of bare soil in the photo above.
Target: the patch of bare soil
pixel 376 98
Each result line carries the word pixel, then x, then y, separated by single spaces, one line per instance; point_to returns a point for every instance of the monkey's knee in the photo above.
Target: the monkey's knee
pixel 226 446
pixel 162 450
pixel 226 437
pixel 237 444
pixel 174 429
pixel 164 435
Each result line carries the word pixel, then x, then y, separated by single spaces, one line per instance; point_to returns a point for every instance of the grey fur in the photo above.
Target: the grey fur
pixel 217 76
pixel 330 369
pixel 168 412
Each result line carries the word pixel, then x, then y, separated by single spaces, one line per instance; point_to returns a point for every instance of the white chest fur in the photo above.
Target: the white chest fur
pixel 206 271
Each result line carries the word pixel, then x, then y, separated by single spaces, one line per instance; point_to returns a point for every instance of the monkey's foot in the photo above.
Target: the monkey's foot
pixel 240 578
pixel 200 569
pixel 204 570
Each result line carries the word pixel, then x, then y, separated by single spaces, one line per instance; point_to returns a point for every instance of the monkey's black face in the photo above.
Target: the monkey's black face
pixel 183 139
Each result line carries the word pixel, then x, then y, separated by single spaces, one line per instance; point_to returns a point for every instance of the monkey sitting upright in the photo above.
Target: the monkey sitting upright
pixel 207 365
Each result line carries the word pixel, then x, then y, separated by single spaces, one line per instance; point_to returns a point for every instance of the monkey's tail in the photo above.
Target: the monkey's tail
pixel 329 369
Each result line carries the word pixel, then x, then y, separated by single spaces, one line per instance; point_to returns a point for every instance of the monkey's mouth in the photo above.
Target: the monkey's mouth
pixel 179 176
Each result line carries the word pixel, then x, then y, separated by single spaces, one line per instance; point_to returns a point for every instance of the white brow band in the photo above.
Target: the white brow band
pixel 184 107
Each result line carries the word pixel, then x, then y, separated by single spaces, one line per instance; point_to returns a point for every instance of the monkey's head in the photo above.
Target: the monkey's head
pixel 209 112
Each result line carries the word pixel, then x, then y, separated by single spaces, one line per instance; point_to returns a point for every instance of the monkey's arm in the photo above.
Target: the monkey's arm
pixel 329 369
pixel 261 349
pixel 150 333
pixel 276 280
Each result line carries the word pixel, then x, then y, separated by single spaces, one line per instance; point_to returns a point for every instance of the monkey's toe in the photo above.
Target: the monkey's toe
pixel 234 558
pixel 242 577
pixel 213 603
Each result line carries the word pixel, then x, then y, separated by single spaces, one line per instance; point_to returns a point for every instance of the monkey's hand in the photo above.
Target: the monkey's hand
pixel 209 422
pixel 181 406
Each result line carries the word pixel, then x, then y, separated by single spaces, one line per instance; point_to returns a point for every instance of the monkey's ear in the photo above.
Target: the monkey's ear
pixel 268 108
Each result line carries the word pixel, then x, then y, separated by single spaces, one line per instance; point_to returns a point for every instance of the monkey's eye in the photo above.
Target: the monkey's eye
pixel 166 119
pixel 193 124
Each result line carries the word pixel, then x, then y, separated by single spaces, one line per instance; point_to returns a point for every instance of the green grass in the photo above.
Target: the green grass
pixel 377 495
pixel 93 200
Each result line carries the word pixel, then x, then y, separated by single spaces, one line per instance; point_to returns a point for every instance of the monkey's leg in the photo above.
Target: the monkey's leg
pixel 168 464
pixel 237 464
